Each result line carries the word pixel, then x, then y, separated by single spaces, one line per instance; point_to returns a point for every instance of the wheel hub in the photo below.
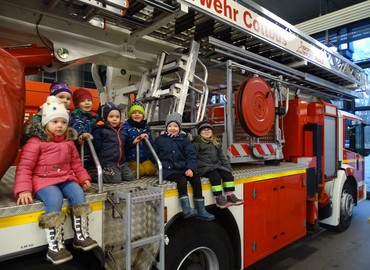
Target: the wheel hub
pixel 346 204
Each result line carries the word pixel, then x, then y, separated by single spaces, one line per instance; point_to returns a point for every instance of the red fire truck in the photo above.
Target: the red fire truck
pixel 297 160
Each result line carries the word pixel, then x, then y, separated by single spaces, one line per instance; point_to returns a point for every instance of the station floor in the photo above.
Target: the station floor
pixel 327 250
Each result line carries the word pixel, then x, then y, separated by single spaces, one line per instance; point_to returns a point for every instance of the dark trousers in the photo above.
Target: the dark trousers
pixel 215 178
pixel 182 184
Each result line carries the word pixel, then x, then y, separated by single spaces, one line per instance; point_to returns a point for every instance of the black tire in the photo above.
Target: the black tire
pixel 198 245
pixel 346 208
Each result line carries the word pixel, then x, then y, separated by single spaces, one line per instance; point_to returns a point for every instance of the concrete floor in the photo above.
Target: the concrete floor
pixel 327 250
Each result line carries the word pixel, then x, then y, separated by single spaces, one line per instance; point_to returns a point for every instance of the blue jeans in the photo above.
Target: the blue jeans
pixel 52 196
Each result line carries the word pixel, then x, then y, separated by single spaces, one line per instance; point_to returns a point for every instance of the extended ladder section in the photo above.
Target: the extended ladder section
pixel 154 198
pixel 171 82
pixel 129 37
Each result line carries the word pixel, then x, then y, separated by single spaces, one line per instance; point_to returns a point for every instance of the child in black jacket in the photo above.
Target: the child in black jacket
pixel 213 164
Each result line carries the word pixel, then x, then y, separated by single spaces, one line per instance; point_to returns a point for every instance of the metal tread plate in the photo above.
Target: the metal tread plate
pixel 9 207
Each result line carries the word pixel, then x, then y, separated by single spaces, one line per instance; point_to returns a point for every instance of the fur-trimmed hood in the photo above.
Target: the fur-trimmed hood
pixel 36 130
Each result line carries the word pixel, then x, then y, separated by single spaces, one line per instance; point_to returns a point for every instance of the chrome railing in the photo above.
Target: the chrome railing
pixel 96 162
pixel 159 163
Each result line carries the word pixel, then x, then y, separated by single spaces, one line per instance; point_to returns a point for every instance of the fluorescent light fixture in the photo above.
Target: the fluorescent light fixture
pixel 337 18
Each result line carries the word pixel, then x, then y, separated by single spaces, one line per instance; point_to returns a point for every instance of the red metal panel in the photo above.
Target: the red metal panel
pixel 37 92
pixel 12 108
pixel 260 219
pixel 294 122
pixel 275 217
pixel 292 209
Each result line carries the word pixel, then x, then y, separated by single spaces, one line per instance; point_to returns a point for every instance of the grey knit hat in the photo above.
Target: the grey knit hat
pixel 204 124
pixel 174 117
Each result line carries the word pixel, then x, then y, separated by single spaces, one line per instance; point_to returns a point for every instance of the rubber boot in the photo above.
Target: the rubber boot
pixel 80 221
pixel 52 223
pixel 186 208
pixel 202 212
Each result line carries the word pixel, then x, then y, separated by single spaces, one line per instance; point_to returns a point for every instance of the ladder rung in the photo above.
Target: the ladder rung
pixel 140 196
pixel 148 240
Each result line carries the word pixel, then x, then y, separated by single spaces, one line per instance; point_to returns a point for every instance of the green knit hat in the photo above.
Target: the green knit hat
pixel 136 107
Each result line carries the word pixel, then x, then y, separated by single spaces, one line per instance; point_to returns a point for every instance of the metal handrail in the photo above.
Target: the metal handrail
pixel 97 164
pixel 159 163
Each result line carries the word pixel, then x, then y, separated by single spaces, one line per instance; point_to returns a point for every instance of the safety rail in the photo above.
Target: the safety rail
pixel 100 170
pixel 159 163
pixel 96 162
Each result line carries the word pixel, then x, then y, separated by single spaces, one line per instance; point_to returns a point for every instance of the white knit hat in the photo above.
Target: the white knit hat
pixel 52 109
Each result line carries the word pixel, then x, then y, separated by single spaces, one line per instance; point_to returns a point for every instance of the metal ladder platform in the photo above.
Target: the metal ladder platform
pixel 155 197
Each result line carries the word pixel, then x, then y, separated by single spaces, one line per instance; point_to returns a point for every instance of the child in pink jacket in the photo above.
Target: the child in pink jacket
pixel 50 170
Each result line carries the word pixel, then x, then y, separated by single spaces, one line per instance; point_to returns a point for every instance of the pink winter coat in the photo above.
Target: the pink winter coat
pixel 45 163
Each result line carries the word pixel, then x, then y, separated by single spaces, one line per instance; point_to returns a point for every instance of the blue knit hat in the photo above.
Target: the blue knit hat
pixel 108 107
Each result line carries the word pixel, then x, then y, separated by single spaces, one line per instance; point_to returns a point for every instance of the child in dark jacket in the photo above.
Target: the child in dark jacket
pixel 179 165
pixel 110 141
pixel 138 129
pixel 213 164
pixel 83 120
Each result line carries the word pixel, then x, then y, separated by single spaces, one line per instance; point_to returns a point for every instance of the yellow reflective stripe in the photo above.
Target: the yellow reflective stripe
pixel 268 176
pixel 34 216
pixel 174 192
pixel 229 184
pixel 216 188
pixel 239 181
pixel 345 161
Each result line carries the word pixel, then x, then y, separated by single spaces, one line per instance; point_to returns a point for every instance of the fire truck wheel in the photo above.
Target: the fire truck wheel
pixel 198 245
pixel 346 208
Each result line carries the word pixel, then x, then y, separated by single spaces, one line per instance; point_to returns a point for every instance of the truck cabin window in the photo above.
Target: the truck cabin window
pixel 354 140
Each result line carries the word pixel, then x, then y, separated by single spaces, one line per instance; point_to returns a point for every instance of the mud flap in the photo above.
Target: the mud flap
pixel 12 93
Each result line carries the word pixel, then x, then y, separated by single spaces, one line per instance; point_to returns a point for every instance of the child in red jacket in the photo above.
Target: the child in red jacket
pixel 50 170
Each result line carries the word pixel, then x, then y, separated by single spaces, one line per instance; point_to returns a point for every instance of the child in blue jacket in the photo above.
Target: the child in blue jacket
pixel 179 162
pixel 138 129
pixel 110 142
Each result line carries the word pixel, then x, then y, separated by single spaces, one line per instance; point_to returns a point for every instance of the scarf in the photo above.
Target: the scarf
pixel 135 124
pixel 171 135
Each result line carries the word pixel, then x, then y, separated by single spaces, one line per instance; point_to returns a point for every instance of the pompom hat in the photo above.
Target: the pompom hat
pixel 174 117
pixel 52 109
pixel 58 87
pixel 108 107
pixel 80 95
pixel 202 125
pixel 136 107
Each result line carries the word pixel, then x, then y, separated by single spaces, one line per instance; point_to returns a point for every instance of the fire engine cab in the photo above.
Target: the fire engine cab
pixel 298 161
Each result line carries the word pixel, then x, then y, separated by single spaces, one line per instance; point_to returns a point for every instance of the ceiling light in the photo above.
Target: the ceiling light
pixel 337 18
